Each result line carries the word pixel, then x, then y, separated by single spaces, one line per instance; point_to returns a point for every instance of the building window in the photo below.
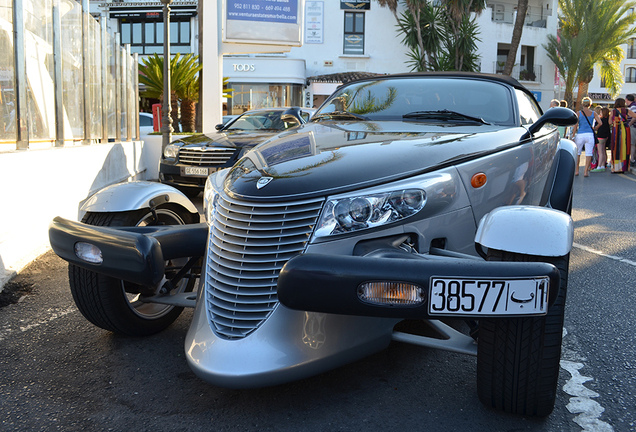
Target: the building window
pixel 631 48
pixel 146 37
pixel 354 33
pixel 630 76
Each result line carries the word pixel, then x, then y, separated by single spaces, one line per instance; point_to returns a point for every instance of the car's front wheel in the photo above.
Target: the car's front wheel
pixel 518 358
pixel 116 305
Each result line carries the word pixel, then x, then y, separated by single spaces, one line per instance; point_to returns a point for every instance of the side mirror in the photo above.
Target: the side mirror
pixel 558 116
pixel 219 126
pixel 289 118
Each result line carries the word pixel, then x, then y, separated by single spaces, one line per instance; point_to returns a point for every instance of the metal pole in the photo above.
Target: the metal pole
pixel 129 95
pixel 86 80
pixel 166 127
pixel 104 80
pixel 124 90
pixel 21 109
pixel 57 75
pixel 117 55
pixel 135 73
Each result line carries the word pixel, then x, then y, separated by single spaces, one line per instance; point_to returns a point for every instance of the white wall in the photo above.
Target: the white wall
pixel 42 184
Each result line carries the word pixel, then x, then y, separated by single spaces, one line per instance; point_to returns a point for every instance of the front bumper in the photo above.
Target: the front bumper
pixel 133 254
pixel 329 284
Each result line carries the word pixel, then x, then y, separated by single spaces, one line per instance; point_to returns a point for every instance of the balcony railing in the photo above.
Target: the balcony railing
pixel 505 13
pixel 529 73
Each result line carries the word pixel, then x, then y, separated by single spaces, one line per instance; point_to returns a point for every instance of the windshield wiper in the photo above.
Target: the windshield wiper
pixel 443 114
pixel 340 115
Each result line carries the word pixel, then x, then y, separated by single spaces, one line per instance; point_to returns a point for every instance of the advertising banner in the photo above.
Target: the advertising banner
pixel 269 22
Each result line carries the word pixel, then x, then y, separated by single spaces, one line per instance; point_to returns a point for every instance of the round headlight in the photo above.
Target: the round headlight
pixel 360 209
pixel 171 151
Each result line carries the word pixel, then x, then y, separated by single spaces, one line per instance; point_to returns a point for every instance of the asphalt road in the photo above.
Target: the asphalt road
pixel 58 372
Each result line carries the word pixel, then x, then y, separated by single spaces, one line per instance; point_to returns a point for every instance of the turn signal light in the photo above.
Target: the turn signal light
pixel 391 293
pixel 88 252
pixel 478 180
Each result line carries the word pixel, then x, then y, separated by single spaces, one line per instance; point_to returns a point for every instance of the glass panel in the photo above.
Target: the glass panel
pixel 136 33
pixel 185 32
pixel 7 95
pixel 125 33
pixel 39 69
pixel 359 23
pixel 110 100
pixel 174 32
pixel 95 78
pixel 159 28
pixel 152 49
pixel 150 32
pixel 179 49
pixel 72 71
pixel 348 25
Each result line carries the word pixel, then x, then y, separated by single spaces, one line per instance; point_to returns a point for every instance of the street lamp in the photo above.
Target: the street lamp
pixel 166 118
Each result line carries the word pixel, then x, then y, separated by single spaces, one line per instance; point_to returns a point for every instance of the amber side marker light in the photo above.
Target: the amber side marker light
pixel 391 293
pixel 478 180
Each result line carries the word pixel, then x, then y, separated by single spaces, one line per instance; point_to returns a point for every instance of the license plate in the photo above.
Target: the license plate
pixel 195 171
pixel 488 297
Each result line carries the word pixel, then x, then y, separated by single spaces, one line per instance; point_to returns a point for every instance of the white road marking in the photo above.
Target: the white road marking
pixel 594 251
pixel 581 403
pixel 50 316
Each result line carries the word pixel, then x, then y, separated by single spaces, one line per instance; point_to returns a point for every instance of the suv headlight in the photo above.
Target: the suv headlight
pixel 171 151
pixel 386 204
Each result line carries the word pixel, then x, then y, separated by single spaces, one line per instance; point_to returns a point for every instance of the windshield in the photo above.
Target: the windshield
pixel 412 97
pixel 261 120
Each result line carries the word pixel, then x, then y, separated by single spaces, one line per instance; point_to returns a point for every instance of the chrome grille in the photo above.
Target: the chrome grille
pixel 205 156
pixel 249 243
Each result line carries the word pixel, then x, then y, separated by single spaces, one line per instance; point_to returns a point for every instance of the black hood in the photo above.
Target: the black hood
pixel 231 139
pixel 333 157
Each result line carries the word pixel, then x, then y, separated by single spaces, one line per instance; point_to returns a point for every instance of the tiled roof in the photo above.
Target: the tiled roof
pixel 342 77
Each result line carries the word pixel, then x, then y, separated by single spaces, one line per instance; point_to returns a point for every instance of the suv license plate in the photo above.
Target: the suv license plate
pixel 488 297
pixel 195 171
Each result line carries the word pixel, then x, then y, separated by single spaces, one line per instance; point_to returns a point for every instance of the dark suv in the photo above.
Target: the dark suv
pixel 187 162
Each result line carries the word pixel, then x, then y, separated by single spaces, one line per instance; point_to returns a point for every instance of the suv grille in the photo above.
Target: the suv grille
pixel 205 156
pixel 249 243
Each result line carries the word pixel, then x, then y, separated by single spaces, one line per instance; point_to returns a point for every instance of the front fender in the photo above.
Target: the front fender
pixel 135 195
pixel 527 230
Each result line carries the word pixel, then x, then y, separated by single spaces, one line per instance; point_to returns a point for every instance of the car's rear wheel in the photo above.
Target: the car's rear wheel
pixel 115 305
pixel 518 358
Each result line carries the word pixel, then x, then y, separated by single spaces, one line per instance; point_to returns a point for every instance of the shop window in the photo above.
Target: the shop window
pixel 354 33
pixel 631 48
pixel 146 37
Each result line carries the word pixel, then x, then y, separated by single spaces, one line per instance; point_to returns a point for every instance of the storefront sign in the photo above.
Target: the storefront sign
pixel 355 4
pixel 273 22
pixel 314 18
pixel 243 67
pixel 272 11
pixel 600 96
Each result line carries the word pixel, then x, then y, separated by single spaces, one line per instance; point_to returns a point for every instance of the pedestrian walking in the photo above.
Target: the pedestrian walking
pixel 631 104
pixel 584 135
pixel 621 136
pixel 603 134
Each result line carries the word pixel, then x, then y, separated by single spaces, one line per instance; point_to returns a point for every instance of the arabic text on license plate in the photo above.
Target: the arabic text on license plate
pixel 488 297
pixel 196 171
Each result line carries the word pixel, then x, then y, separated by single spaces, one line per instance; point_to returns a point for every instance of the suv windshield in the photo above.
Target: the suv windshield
pixel 261 120
pixel 486 102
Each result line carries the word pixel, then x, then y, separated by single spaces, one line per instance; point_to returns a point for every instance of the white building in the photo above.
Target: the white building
pixel 597 90
pixel 342 40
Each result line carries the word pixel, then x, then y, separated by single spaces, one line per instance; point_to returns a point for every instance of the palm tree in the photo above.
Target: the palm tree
pixel 522 9
pixel 440 36
pixel 591 35
pixel 184 84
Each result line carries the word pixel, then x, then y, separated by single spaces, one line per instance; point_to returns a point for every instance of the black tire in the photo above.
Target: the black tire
pixel 518 358
pixel 113 304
